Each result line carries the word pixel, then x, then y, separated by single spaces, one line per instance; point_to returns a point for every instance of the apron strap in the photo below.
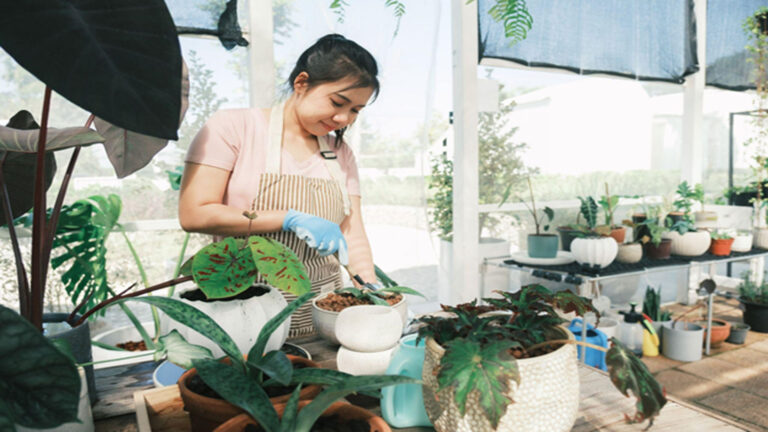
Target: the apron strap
pixel 332 163
pixel 275 139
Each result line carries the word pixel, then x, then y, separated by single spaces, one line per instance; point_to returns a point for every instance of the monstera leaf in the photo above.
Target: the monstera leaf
pixel 468 367
pixel 224 269
pixel 119 60
pixel 628 373
pixel 279 265
pixel 40 385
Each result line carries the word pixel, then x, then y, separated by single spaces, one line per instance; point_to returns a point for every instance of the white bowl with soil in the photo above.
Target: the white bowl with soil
pixel 126 338
pixel 326 308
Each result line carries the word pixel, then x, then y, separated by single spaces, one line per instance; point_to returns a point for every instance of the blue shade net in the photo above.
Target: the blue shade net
pixel 727 65
pixel 208 17
pixel 639 39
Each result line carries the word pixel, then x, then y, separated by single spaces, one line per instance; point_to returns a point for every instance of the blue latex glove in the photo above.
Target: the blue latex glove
pixel 319 233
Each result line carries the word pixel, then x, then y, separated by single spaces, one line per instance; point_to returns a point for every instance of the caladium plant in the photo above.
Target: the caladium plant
pixel 482 344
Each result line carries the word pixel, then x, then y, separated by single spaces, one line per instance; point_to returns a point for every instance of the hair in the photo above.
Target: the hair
pixel 333 58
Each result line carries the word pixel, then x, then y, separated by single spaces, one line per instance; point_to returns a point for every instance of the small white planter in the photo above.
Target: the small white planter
pixel 630 253
pixel 368 328
pixel 325 320
pixel 363 363
pixel 116 336
pixel 761 238
pixel 595 252
pixel 742 242
pixel 241 319
pixel 693 243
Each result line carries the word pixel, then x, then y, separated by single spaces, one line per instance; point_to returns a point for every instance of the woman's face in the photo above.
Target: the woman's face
pixel 330 106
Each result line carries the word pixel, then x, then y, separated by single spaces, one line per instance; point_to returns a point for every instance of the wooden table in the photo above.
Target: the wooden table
pixel 602 407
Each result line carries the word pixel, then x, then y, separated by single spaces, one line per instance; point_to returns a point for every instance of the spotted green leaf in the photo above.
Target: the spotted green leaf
pixel 279 265
pixel 224 269
pixel 179 351
pixel 628 373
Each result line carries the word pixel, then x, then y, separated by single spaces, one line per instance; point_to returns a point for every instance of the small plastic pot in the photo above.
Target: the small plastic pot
pixel 738 334
pixel 721 247
pixel 542 245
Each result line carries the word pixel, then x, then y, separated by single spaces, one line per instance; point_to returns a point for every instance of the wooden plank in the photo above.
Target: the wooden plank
pixel 161 410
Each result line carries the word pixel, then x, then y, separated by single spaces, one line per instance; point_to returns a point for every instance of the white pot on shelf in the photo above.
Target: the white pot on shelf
pixel 629 253
pixel 761 238
pixel 117 336
pixel 742 242
pixel 368 328
pixel 595 251
pixel 692 243
pixel 241 319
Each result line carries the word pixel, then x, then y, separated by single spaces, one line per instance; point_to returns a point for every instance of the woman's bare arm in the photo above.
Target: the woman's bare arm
pixel 360 255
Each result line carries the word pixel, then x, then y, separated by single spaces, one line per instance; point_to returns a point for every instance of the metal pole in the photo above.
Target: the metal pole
pixel 709 321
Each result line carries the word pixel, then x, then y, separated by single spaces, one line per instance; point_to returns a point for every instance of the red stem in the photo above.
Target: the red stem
pixel 121 296
pixel 38 222
pixel 21 272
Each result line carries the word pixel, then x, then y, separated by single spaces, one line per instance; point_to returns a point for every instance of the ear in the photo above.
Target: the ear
pixel 301 83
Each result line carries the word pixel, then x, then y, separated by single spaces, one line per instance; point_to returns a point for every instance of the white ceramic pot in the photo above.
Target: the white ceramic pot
pixel 368 328
pixel 608 326
pixel 116 336
pixel 363 363
pixel 84 413
pixel 761 238
pixel 593 252
pixel 742 243
pixel 241 319
pixel 629 253
pixel 547 398
pixel 325 320
pixel 693 243
pixel 705 219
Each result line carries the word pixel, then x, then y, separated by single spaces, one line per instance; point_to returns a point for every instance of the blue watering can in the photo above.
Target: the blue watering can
pixel 595 358
pixel 402 405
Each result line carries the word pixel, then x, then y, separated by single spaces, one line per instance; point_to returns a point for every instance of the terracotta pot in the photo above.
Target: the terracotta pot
pixel 630 253
pixel 692 243
pixel 721 329
pixel 721 247
pixel 618 234
pixel 662 251
pixel 206 413
pixel 341 409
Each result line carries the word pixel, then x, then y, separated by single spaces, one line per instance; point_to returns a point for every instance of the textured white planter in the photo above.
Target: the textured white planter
pixel 325 321
pixel 761 238
pixel 363 363
pixel 705 219
pixel 629 253
pixel 689 244
pixel 116 336
pixel 368 328
pixel 547 398
pixel 594 252
pixel 742 243
pixel 241 319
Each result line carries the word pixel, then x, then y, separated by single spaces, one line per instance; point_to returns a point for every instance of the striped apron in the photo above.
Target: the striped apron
pixel 325 198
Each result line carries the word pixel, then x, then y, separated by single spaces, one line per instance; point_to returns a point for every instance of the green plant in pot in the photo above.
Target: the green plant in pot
pixel 541 245
pixel 683 204
pixel 721 243
pixel 595 249
pixel 754 300
pixel 609 203
pixel 483 369
pixel 129 78
pixel 654 245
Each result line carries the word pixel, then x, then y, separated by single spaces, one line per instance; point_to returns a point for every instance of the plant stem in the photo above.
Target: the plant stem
pixel 179 262
pixel 112 360
pixel 38 222
pixel 144 279
pixel 533 204
pixel 21 272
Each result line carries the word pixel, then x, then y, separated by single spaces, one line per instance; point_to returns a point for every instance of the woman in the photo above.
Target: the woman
pixel 283 163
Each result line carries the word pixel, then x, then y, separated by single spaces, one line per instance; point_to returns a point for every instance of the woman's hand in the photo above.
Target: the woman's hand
pixel 319 233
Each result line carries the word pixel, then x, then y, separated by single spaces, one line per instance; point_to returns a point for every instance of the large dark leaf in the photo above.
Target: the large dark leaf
pixel 628 373
pixel 224 269
pixel 39 385
pixel 118 60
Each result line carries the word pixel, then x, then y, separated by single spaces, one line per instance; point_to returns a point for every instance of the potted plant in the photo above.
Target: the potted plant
pixel 541 245
pixel 686 240
pixel 496 371
pixel 326 307
pixel 738 333
pixel 140 114
pixel 652 308
pixel 683 205
pixel 721 329
pixel 754 302
pixel 721 243
pixel 609 203
pixel 595 249
pixel 654 245
pixel 703 218
pixel 742 241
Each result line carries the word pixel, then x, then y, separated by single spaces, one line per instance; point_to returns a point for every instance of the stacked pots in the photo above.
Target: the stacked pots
pixel 325 320
pixel 368 335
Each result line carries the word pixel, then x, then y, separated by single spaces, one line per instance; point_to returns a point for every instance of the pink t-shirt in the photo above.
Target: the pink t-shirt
pixel 237 139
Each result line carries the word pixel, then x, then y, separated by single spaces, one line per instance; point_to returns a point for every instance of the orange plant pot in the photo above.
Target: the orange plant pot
pixel 618 234
pixel 721 247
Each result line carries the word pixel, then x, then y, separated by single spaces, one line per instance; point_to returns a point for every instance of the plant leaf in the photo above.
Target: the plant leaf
pixel 383 278
pixel 274 364
pixel 186 268
pixel 570 302
pixel 376 300
pixel 179 351
pixel 39 385
pixel 313 376
pixel 358 293
pixel 197 321
pixel 25 141
pixel 487 370
pixel 628 373
pixel 279 265
pixel 401 290
pixel 238 389
pixel 257 350
pixel 224 269
pixel 288 423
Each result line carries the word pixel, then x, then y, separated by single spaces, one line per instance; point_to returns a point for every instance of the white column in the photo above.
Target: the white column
pixel 693 110
pixel 261 54
pixel 465 274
